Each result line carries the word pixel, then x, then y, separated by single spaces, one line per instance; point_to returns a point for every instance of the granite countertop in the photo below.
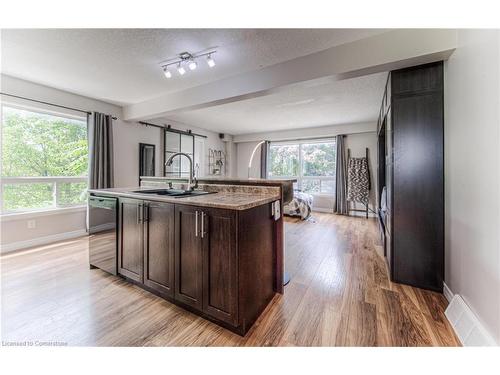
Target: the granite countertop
pixel 228 180
pixel 227 200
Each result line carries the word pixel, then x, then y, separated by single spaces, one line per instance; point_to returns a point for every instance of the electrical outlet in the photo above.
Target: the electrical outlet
pixel 31 224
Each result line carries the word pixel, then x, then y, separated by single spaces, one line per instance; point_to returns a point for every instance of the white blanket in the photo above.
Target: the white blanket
pixel 300 205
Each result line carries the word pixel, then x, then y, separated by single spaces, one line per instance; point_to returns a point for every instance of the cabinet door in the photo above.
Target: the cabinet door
pixel 418 207
pixel 130 243
pixel 159 247
pixel 218 233
pixel 389 160
pixel 188 257
pixel 389 163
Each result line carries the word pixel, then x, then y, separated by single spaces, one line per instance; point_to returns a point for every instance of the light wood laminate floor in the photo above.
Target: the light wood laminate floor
pixel 339 295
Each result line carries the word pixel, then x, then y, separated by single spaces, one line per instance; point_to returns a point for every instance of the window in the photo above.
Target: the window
pixel 312 163
pixel 44 160
pixel 177 142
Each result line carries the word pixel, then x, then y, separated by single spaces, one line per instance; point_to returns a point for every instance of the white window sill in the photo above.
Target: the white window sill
pixel 322 195
pixel 48 212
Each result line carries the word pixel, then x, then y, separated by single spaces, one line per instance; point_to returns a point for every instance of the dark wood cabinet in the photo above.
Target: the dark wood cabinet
pixel 159 236
pixel 224 262
pixel 218 234
pixel 414 170
pixel 146 243
pixel 418 190
pixel 130 239
pixel 188 256
pixel 216 262
pixel 206 269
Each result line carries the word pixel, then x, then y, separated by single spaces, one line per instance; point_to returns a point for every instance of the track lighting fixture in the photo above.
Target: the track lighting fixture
pixel 181 69
pixel 210 61
pixel 189 60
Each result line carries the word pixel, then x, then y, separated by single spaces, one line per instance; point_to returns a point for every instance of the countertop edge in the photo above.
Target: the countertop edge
pixel 228 181
pixel 183 201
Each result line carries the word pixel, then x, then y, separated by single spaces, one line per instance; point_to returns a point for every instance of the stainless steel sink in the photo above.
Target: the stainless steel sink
pixel 176 193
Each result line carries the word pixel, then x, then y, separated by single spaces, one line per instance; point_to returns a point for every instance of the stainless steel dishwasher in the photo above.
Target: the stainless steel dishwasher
pixel 102 233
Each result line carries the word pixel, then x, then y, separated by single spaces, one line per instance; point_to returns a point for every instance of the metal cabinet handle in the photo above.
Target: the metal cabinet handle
pixel 138 214
pixel 146 213
pixel 196 224
pixel 141 213
pixel 202 224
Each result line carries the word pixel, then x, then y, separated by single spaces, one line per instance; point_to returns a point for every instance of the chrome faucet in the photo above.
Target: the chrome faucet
pixel 192 183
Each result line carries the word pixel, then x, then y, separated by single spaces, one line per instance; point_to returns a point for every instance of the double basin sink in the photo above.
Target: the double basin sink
pixel 176 193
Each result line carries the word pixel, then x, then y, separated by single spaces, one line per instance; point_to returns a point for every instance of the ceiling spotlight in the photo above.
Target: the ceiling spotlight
pixel 210 61
pixel 181 69
pixel 187 61
pixel 167 72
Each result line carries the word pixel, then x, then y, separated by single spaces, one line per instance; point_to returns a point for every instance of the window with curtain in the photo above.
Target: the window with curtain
pixel 44 160
pixel 311 162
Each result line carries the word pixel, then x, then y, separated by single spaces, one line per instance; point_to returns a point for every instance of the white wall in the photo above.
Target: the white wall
pixel 232 151
pixel 127 136
pixel 212 140
pixel 243 154
pixel 47 226
pixel 472 174
pixel 360 136
pixel 126 139
pixel 315 132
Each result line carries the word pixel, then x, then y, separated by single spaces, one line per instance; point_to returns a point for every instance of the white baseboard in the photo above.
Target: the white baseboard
pixel 103 227
pixel 354 214
pixel 42 240
pixel 361 214
pixel 465 323
pixel 320 209
pixel 447 292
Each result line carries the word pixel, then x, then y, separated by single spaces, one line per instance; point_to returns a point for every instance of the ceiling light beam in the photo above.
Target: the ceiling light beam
pixel 392 50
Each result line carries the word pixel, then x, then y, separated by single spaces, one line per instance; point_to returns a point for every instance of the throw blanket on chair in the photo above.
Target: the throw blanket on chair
pixel 301 205
pixel 358 180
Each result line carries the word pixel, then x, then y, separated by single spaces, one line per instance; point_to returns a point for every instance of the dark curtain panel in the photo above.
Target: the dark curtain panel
pixel 100 129
pixel 264 152
pixel 341 178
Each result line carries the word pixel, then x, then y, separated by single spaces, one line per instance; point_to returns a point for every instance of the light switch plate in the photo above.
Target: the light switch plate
pixel 276 210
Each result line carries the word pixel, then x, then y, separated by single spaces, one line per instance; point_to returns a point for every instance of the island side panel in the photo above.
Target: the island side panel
pixel 256 260
pixel 286 194
pixel 279 252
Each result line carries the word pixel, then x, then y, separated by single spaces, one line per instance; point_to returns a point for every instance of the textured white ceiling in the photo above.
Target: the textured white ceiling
pixel 121 65
pixel 338 102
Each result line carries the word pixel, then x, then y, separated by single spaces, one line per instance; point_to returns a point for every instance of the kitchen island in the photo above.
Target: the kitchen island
pixel 217 254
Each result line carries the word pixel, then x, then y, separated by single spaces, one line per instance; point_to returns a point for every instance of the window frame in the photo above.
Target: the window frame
pixel 54 180
pixel 300 177
pixel 176 169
